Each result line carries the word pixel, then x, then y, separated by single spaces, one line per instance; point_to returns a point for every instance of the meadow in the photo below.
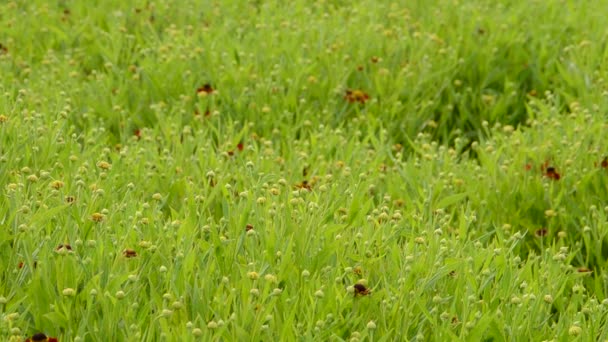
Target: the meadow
pixel 303 170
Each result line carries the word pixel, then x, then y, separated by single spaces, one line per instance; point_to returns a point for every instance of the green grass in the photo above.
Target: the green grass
pixel 433 193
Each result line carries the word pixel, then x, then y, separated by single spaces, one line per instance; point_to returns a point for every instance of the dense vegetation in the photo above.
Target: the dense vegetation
pixel 303 170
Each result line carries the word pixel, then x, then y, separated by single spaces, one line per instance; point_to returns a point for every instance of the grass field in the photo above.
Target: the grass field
pixel 304 170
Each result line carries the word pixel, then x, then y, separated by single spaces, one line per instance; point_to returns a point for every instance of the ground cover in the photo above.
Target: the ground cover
pixel 328 170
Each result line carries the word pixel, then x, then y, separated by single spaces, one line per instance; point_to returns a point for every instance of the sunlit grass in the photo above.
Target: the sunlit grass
pixel 249 170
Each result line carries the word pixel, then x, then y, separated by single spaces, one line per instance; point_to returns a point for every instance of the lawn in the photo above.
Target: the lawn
pixel 303 170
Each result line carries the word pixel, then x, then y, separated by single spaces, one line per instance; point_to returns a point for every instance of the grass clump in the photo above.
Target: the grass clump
pixel 315 171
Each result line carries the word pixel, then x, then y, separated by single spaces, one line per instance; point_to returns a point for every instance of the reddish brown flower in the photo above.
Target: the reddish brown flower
pixel 137 133
pixel 205 89
pixel 62 246
pixel 40 337
pixel 248 227
pixel 604 163
pixel 528 167
pixel 552 173
pixel 197 113
pixel 541 232
pixel 375 59
pixel 361 290
pixel 129 253
pixel 353 96
pixel 304 185
pixel 3 49
pixel 22 264
pixel 239 147
pixel 583 270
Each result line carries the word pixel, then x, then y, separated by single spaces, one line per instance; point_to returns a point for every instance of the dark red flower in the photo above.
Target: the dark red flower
pixel 129 253
pixel 541 232
pixel 197 113
pixel 528 167
pixel 239 147
pixel 583 270
pixel 22 264
pixel 62 246
pixel 361 290
pixel 206 89
pixel 552 173
pixel 353 96
pixel 604 163
pixel 40 337
pixel 137 133
pixel 304 185
pixel 248 227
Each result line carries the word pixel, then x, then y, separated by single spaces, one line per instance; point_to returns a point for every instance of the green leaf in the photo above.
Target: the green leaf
pixel 450 200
